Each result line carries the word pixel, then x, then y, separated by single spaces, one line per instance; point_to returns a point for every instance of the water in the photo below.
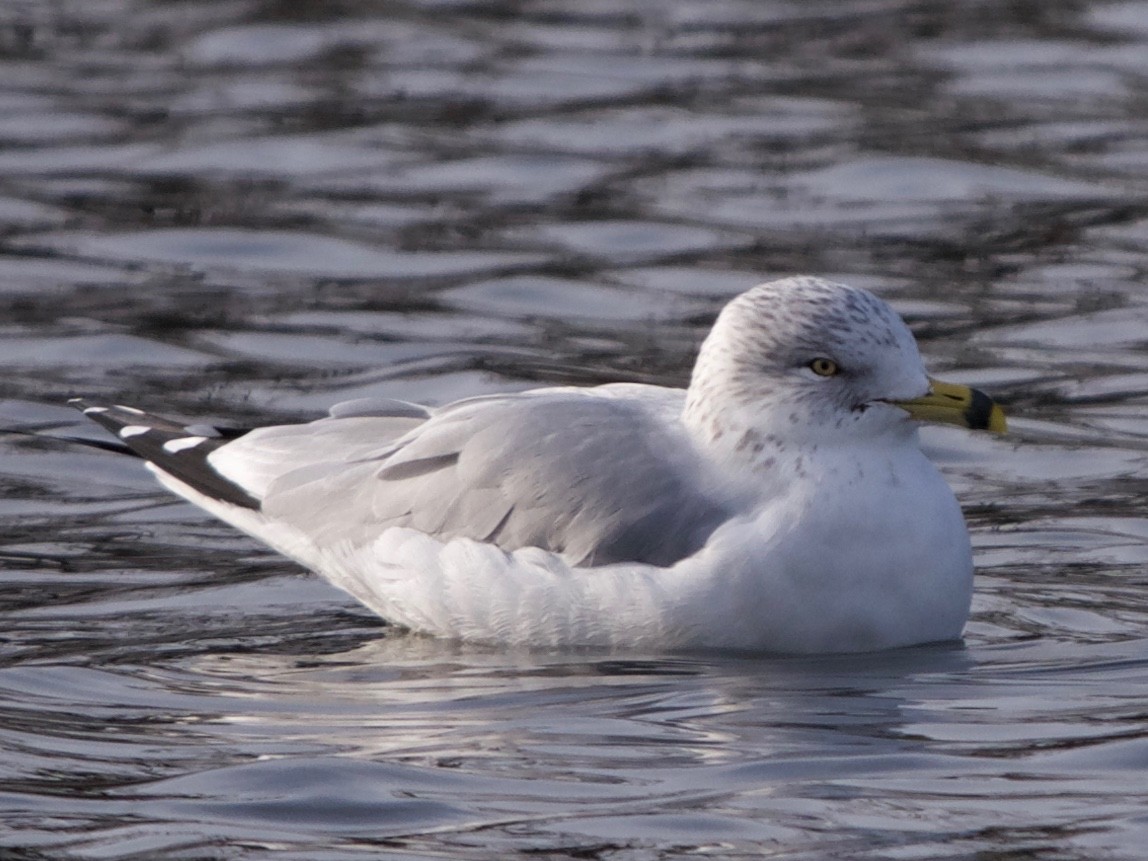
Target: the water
pixel 254 209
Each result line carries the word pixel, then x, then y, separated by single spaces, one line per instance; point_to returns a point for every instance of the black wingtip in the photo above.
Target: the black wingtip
pixel 179 451
pixel 66 431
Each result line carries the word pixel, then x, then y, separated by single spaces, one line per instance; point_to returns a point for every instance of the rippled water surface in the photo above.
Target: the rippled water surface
pixel 250 209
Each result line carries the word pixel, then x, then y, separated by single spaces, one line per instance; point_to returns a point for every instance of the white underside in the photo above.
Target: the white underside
pixel 811 574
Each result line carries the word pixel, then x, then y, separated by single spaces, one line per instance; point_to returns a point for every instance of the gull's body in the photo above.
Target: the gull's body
pixel 779 504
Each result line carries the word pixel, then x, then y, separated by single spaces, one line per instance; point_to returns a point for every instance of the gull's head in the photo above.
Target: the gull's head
pixel 812 361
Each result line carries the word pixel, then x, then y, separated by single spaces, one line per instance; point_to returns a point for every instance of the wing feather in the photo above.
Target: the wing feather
pixel 597 479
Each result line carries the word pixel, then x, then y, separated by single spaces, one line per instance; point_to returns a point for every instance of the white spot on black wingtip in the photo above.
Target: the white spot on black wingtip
pixel 175 446
pixel 131 410
pixel 132 430
pixel 90 410
pixel 203 430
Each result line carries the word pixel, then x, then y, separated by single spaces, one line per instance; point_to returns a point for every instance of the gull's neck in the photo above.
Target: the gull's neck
pixel 722 414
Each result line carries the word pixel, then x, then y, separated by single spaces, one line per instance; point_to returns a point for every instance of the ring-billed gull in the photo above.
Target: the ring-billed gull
pixel 780 503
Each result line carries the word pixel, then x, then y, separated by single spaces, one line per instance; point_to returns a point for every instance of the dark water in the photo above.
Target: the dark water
pixel 254 209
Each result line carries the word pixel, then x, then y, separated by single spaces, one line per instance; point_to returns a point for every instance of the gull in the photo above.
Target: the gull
pixel 781 503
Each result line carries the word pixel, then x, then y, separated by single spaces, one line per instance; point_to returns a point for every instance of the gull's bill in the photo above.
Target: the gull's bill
pixel 954 404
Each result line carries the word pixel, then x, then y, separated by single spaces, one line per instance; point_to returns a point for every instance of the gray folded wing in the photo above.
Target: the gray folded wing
pixel 599 480
pixel 353 430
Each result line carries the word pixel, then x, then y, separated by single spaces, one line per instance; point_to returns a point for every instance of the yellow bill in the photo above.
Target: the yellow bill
pixel 956 405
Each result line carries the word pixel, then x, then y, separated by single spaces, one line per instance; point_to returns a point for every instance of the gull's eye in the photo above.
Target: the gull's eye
pixel 824 367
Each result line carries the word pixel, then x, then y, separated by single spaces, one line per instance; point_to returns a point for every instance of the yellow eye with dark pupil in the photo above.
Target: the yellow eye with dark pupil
pixel 824 367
